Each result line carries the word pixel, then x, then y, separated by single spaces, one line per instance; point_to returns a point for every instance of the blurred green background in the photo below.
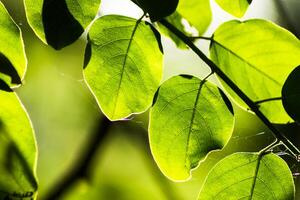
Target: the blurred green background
pixel 65 114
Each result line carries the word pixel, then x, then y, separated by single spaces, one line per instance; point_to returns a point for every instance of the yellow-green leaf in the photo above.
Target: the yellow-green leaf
pixel 17 149
pixel 125 66
pixel 235 7
pixel 249 176
pixel 189 119
pixel 258 56
pixel 196 12
pixel 12 55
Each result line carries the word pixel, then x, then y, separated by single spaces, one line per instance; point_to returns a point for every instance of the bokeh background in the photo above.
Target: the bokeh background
pixel 65 115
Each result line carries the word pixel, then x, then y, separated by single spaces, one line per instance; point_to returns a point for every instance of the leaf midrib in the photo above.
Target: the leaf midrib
pixel 255 176
pixel 192 121
pixel 124 63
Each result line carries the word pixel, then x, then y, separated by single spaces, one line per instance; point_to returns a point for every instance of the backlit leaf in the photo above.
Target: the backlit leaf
pixel 17 149
pixel 189 119
pixel 125 66
pixel 60 22
pixel 249 176
pixel 258 56
pixel 235 7
pixel 196 12
pixel 12 55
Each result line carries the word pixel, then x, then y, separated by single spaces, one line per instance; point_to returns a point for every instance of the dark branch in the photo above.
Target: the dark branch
pixel 268 100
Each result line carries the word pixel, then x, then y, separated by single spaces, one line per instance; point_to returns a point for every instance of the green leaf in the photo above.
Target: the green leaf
pixel 12 55
pixel 157 9
pixel 197 13
pixel 258 56
pixel 17 149
pixel 176 20
pixel 291 94
pixel 125 67
pixel 235 7
pixel 249 176
pixel 60 22
pixel 189 119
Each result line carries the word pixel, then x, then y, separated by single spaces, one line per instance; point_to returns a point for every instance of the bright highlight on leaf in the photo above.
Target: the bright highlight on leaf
pixel 125 67
pixel 17 149
pixel 189 119
pixel 60 22
pixel 291 94
pixel 235 7
pixel 12 55
pixel 157 9
pixel 249 176
pixel 258 56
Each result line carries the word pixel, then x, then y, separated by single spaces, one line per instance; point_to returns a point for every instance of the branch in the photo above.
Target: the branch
pixel 293 149
pixel 268 100
pixel 82 165
pixel 200 37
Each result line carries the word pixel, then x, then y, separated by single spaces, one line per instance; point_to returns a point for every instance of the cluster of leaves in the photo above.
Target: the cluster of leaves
pixel 189 117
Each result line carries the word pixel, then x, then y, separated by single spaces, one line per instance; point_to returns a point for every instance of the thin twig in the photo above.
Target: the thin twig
pixel 268 100
pixel 277 134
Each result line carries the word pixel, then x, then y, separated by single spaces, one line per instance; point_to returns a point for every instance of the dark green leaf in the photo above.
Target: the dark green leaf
pixel 258 56
pixel 249 176
pixel 188 120
pixel 125 67
pixel 291 94
pixel 17 149
pixel 60 22
pixel 157 9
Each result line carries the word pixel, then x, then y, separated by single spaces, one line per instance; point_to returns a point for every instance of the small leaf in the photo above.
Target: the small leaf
pixel 125 67
pixel 60 22
pixel 176 20
pixel 235 7
pixel 188 120
pixel 258 56
pixel 249 176
pixel 12 55
pixel 157 9
pixel 197 13
pixel 291 94
pixel 17 149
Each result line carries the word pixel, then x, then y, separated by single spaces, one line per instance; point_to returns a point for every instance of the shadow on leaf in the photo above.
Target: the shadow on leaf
pixel 7 68
pixel 61 28
pixel 14 161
